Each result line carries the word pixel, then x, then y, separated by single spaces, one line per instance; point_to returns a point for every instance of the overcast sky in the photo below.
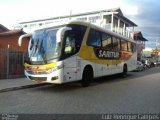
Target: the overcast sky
pixel 145 13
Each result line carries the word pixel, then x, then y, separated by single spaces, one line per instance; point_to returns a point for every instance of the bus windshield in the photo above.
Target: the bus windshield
pixel 43 46
pixel 46 44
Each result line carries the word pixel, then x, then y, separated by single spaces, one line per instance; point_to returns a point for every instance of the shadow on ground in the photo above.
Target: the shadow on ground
pixel 98 81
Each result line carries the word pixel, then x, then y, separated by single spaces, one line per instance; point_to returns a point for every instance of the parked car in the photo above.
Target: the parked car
pixel 152 64
pixel 140 66
pixel 158 63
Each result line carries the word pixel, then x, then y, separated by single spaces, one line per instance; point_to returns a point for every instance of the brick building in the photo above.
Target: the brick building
pixel 11 55
pixel 3 29
pixel 140 41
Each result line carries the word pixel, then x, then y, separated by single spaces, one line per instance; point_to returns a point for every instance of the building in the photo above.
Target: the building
pixel 111 19
pixel 140 41
pixel 156 54
pixel 9 39
pixel 3 29
pixel 147 52
pixel 11 55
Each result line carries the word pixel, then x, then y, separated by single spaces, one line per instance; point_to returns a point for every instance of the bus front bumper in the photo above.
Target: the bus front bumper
pixel 54 77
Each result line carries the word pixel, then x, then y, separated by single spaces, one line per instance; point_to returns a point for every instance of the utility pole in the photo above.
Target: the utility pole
pixel 7 61
pixel 157 47
pixel 70 15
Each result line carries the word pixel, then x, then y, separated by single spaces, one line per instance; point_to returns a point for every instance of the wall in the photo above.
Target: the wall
pixel 11 56
pixel 12 42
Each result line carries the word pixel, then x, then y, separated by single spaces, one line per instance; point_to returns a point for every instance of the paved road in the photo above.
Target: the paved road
pixel 138 93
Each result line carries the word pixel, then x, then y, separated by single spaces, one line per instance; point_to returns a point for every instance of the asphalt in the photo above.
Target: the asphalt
pixel 16 84
pixel 138 93
pixel 23 83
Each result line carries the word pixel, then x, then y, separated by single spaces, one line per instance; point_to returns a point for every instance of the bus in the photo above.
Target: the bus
pixel 77 51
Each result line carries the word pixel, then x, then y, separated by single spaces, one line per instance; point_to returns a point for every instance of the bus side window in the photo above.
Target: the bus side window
pixel 116 44
pixel 129 46
pixel 70 45
pixel 78 32
pixel 106 41
pixel 94 38
pixel 124 45
pixel 133 47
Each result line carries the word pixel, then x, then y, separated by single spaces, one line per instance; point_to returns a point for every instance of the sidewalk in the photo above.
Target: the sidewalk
pixel 15 83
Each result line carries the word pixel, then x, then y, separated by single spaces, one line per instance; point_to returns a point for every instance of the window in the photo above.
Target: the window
pixel 76 35
pixel 70 45
pixel 73 39
pixel 124 45
pixel 129 46
pixel 94 38
pixel 116 44
pixel 51 39
pixel 133 47
pixel 106 41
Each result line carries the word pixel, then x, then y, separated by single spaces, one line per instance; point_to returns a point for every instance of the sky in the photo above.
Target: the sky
pixel 145 13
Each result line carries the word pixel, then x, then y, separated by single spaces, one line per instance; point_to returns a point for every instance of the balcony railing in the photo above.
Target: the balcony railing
pixel 107 26
pixel 121 31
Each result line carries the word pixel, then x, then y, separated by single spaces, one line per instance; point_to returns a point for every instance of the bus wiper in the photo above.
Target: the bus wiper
pixel 35 48
pixel 42 52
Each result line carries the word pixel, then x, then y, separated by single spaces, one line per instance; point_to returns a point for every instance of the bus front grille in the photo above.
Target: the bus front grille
pixel 38 78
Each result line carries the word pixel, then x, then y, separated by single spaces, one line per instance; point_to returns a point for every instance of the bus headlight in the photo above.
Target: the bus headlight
pixel 51 70
pixel 54 69
pixel 60 66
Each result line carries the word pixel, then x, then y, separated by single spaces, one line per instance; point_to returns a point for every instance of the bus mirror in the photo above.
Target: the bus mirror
pixel 22 37
pixel 61 32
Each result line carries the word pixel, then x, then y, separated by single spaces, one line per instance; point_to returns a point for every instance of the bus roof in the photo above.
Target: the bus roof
pixel 87 24
pixel 101 29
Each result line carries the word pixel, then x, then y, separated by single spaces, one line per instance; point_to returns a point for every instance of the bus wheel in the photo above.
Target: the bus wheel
pixel 87 77
pixel 125 70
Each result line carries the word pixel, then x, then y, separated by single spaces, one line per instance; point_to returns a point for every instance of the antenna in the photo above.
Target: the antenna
pixel 70 14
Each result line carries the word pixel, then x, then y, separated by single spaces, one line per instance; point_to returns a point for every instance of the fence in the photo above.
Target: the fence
pixel 120 30
pixel 11 63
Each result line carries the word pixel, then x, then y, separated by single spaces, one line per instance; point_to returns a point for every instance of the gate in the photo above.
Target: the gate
pixel 11 63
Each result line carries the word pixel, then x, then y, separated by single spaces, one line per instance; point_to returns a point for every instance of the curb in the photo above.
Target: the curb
pixel 23 87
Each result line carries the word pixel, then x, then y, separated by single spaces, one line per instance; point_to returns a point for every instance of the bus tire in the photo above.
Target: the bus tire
pixel 87 76
pixel 125 70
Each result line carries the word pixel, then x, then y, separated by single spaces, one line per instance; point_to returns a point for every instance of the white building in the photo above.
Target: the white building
pixel 147 52
pixel 111 19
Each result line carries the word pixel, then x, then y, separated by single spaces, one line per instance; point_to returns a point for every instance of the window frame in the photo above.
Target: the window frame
pixel 126 42
pixel 83 30
pixel 118 39
pixel 129 50
pixel 91 29
pixel 110 37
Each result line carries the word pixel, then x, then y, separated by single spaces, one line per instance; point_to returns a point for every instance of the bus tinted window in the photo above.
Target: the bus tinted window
pixel 116 44
pixel 106 41
pixel 70 45
pixel 73 39
pixel 133 47
pixel 94 38
pixel 124 45
pixel 129 46
pixel 78 32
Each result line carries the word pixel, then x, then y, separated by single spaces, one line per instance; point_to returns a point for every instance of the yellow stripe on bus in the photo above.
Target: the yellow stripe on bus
pixel 87 53
pixel 40 67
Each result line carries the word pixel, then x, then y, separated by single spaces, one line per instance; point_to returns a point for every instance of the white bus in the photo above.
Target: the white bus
pixel 77 51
